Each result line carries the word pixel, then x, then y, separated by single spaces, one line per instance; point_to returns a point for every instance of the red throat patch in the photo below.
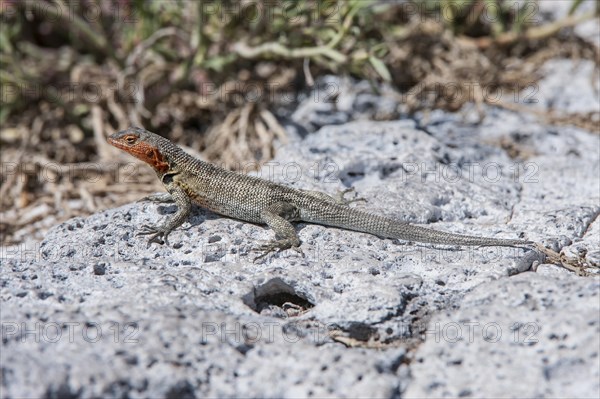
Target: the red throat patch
pixel 152 156
pixel 147 153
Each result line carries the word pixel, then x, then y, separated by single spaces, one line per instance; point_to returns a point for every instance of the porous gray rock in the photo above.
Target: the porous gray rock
pixel 94 312
pixel 528 336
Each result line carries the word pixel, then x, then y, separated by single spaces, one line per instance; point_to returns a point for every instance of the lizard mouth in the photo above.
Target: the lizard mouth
pixel 111 140
pixel 116 143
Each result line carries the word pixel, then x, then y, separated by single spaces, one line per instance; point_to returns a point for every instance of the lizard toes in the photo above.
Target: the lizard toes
pixel 146 230
pixel 276 246
pixel 265 249
pixel 299 251
pixel 359 199
pixel 156 235
pixel 262 255
pixel 156 238
pixel 165 236
pixel 341 196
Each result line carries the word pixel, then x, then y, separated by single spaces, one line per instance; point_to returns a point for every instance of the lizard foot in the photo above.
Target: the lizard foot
pixel 159 198
pixel 156 234
pixel 341 194
pixel 278 246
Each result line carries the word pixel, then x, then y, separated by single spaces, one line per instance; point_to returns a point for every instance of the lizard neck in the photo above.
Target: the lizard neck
pixel 153 156
pixel 172 159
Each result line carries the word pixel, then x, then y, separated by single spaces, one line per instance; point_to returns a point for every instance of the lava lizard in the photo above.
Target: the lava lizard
pixel 255 200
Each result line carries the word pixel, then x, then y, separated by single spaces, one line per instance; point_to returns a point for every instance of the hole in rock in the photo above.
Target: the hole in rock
pixel 278 299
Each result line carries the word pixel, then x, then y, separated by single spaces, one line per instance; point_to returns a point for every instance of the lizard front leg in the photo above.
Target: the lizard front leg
pixel 277 216
pixel 159 233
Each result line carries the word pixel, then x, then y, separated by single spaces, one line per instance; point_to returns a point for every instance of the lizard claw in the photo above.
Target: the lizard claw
pixel 299 251
pixel 275 246
pixel 158 235
pixel 266 249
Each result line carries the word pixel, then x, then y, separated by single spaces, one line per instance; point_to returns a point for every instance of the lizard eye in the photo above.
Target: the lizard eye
pixel 129 139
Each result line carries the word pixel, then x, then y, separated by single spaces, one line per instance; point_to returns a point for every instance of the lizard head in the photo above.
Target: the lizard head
pixel 143 145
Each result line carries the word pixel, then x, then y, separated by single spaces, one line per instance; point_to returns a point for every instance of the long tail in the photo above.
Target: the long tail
pixel 352 219
pixel 410 232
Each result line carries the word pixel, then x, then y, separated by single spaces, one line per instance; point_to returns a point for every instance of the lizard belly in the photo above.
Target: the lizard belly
pixel 224 207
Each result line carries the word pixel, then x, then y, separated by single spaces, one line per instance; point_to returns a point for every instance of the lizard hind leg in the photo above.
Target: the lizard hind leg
pixel 278 216
pixel 158 198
